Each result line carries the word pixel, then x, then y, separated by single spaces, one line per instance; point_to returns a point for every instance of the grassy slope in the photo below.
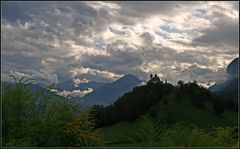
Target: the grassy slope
pixel 122 134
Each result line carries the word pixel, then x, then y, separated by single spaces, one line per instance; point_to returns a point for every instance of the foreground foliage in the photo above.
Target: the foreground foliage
pixel 182 135
pixel 154 133
pixel 43 119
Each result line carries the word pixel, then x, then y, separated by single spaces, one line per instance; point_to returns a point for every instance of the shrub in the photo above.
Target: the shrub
pixel 81 132
pixel 182 135
pixel 37 119
pixel 150 130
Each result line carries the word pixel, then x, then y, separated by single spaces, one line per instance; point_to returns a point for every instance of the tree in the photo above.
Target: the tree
pixel 35 119
pixel 180 84
pixel 18 106
pixel 218 105
pixel 81 131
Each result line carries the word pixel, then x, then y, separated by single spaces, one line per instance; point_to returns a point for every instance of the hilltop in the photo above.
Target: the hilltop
pixel 186 103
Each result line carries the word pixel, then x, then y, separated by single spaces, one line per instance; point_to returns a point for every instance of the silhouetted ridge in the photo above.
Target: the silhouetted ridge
pixel 110 92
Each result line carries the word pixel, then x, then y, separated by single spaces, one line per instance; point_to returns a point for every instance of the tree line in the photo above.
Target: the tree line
pixel 141 98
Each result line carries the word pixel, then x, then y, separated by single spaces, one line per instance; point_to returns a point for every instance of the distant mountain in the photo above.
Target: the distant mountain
pixel 30 87
pixel 70 85
pixel 110 92
pixel 92 84
pixel 35 89
pixel 231 83
pixel 229 87
pixel 233 67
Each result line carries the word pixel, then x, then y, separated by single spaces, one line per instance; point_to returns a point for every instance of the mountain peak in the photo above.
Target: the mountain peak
pixel 231 82
pixel 110 92
pixel 232 68
pixel 128 77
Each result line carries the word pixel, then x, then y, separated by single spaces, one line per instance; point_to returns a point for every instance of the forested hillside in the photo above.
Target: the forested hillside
pixel 155 114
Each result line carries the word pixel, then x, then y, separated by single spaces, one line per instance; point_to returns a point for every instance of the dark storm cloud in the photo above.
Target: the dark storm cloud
pixel 144 8
pixel 224 33
pixel 9 10
pixel 57 18
pixel 121 60
pixel 32 28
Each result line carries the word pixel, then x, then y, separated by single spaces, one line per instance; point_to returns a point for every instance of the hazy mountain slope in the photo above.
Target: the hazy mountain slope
pixel 70 85
pixel 110 92
pixel 233 67
pixel 30 87
pixel 231 83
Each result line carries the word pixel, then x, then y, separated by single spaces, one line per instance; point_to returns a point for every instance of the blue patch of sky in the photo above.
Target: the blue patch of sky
pixel 169 29
pixel 201 13
pixel 13 11
pixel 162 35
pixel 101 43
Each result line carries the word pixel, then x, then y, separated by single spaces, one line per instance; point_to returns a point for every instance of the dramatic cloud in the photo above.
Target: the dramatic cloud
pixel 74 93
pixel 57 41
pixel 224 33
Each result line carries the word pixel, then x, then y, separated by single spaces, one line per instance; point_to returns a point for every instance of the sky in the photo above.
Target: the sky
pixel 53 42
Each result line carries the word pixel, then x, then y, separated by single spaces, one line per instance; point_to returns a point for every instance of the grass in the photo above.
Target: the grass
pixel 121 132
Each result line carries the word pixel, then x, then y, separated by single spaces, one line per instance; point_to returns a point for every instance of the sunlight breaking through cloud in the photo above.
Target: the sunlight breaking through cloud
pixel 102 41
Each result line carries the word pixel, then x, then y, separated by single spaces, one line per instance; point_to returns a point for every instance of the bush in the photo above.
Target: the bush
pixel 182 135
pixel 81 132
pixel 224 137
pixel 150 130
pixel 37 119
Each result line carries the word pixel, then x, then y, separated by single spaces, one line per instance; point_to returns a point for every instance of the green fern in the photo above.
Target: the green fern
pixel 149 130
